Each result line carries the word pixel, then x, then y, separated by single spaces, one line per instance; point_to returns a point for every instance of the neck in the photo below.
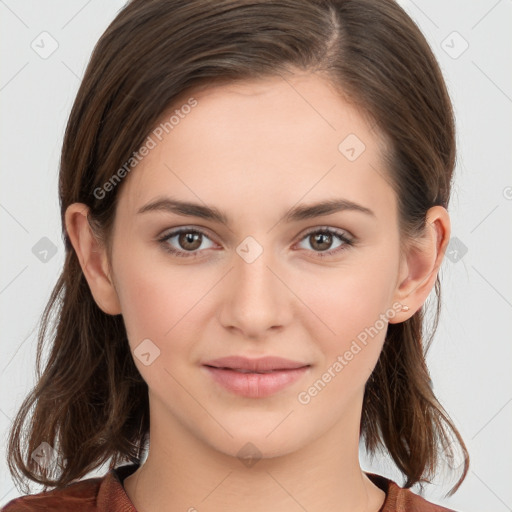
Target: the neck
pixel 188 474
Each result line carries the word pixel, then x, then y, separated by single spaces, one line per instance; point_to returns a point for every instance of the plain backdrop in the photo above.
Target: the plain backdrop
pixel 471 357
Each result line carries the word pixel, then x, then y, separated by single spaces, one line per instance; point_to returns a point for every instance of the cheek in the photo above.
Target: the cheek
pixel 161 304
pixel 357 312
pixel 348 309
pixel 157 300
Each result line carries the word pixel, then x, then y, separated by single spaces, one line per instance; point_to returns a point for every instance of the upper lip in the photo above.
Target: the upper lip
pixel 260 364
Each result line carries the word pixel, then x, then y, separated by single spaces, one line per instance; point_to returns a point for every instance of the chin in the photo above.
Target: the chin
pixel 251 443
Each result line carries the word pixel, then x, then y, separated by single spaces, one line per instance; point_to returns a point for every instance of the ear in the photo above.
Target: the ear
pixel 92 256
pixel 421 262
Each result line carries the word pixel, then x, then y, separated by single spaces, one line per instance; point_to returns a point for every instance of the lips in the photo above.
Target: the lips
pixel 255 378
pixel 265 364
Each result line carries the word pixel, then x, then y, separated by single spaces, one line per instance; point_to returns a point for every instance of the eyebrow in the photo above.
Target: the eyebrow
pixel 295 214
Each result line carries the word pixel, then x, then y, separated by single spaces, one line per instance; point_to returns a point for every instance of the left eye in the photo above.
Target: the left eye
pixel 324 237
pixel 190 241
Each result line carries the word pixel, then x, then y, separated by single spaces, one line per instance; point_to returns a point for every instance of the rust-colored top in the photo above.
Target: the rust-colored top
pixel 107 494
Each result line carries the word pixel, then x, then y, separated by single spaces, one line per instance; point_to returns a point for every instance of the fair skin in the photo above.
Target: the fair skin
pixel 254 150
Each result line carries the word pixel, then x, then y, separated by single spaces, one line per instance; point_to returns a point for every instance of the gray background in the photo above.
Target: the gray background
pixel 471 356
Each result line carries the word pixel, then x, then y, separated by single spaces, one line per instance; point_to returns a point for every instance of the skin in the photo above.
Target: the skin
pixel 254 150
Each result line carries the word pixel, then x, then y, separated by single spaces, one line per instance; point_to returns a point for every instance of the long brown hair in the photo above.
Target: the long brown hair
pixel 90 403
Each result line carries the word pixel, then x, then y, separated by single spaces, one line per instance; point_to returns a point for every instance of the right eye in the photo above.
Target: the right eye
pixel 189 239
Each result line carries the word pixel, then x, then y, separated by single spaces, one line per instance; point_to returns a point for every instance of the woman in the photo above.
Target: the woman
pixel 254 204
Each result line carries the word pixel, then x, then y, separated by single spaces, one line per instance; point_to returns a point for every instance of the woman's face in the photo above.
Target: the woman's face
pixel 267 282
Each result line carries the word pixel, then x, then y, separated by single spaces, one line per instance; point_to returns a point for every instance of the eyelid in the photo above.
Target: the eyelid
pixel 170 232
pixel 337 231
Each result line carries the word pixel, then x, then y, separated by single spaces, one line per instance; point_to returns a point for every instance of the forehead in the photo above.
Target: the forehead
pixel 275 140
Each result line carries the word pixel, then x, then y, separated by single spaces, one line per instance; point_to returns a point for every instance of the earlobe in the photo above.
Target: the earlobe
pixel 422 262
pixel 93 259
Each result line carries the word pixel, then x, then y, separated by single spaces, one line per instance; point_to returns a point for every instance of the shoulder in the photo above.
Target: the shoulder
pixel 82 496
pixel 403 500
pixel 101 494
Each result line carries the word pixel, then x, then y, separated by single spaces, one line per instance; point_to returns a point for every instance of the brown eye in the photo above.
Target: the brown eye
pixel 189 240
pixel 321 241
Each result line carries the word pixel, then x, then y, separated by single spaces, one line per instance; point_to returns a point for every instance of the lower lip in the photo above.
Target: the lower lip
pixel 256 385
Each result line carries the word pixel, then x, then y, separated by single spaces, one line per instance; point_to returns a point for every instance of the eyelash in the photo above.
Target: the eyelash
pixel 322 254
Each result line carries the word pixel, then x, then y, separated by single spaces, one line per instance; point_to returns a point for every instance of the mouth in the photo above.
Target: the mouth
pixel 265 364
pixel 241 370
pixel 254 382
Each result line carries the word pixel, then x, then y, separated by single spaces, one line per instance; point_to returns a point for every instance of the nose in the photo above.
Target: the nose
pixel 256 298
